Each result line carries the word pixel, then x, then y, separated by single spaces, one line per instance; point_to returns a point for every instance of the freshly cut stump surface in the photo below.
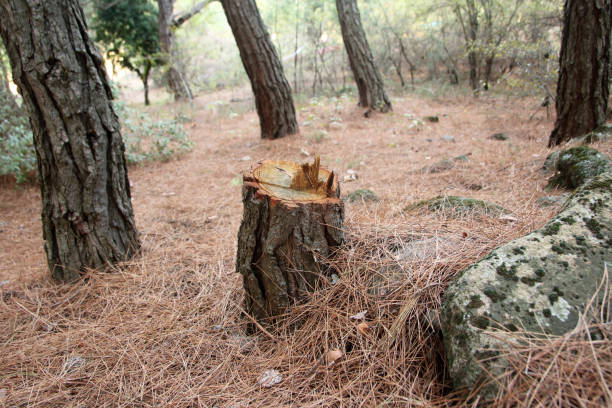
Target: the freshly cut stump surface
pixel 293 218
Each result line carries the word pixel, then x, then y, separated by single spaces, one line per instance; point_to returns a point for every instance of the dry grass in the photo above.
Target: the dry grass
pixel 167 328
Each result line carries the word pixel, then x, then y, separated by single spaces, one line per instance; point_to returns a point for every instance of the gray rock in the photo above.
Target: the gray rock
pixel 499 136
pixel 575 166
pixel 442 165
pixel 540 282
pixel 449 138
pixel 73 363
pixel 549 201
pixel 336 126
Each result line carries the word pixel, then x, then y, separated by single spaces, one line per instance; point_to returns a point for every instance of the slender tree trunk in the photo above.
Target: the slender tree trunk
pixel 87 215
pixel 369 82
pixel 273 98
pixel 176 81
pixel 488 70
pixel 295 57
pixel 583 89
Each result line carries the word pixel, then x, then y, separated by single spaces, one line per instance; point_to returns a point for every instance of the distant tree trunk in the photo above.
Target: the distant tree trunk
pixel 87 215
pixel 583 89
pixel 369 82
pixel 273 98
pixel 167 24
pixel 144 77
pixel 488 70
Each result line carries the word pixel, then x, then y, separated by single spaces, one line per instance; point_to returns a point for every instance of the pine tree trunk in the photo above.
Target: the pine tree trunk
pixel 273 98
pixel 287 231
pixel 176 81
pixel 369 82
pixel 583 89
pixel 87 215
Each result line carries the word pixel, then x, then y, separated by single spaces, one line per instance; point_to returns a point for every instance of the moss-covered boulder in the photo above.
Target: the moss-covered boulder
pixel 539 282
pixel 459 206
pixel 575 166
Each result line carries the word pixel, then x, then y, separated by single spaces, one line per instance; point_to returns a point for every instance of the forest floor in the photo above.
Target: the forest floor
pixel 167 329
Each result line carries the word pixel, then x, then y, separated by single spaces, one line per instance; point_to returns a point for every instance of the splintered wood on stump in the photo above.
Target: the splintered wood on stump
pixel 293 218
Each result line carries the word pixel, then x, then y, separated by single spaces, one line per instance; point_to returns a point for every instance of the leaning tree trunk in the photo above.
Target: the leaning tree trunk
pixel 582 89
pixel 87 216
pixel 273 98
pixel 176 81
pixel 369 82
pixel 293 218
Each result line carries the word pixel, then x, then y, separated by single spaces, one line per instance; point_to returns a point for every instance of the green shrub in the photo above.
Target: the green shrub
pixel 17 155
pixel 145 139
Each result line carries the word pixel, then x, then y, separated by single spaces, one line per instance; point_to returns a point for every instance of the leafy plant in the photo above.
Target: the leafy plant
pixel 17 155
pixel 149 140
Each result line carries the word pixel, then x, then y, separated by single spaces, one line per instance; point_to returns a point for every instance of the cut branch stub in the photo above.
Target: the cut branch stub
pixel 293 218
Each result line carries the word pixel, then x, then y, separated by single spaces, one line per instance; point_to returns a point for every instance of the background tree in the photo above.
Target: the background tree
pixel 129 31
pixel 87 215
pixel 168 23
pixel 583 88
pixel 273 98
pixel 369 82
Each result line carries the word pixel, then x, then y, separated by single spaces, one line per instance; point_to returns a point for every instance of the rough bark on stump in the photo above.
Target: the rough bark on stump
pixel 293 218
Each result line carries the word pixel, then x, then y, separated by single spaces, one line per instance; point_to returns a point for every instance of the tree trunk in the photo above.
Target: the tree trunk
pixel 273 98
pixel 488 70
pixel 289 227
pixel 87 215
pixel 369 82
pixel 176 81
pixel 583 89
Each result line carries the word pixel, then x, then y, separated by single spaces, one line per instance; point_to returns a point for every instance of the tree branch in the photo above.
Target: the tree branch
pixel 179 19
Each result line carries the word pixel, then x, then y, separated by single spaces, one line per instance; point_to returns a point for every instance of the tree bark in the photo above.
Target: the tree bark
pixel 369 82
pixel 273 98
pixel 176 81
pixel 87 215
pixel 288 229
pixel 583 89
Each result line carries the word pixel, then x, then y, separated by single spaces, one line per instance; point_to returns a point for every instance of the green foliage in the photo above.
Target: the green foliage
pixel 129 32
pixel 17 155
pixel 149 140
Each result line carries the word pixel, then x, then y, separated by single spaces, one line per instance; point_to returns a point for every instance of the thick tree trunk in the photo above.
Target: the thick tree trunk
pixel 583 89
pixel 87 215
pixel 273 98
pixel 369 82
pixel 288 230
pixel 176 81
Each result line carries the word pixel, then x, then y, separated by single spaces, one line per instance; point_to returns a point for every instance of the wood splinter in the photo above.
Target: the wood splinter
pixel 293 218
pixel 307 178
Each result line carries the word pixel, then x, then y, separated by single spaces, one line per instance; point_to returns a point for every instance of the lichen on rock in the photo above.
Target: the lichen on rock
pixel 575 166
pixel 539 283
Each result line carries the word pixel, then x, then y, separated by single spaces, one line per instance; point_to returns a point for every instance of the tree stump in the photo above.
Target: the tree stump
pixel 293 218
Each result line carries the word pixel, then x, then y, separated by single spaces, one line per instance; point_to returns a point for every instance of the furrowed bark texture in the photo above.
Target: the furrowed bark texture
pixel 282 246
pixel 369 82
pixel 87 215
pixel 176 81
pixel 273 98
pixel 582 89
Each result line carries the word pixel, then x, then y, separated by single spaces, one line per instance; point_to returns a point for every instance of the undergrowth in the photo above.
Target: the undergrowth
pixel 145 139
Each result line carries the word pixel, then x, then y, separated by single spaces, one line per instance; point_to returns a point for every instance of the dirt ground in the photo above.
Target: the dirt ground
pixel 166 329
